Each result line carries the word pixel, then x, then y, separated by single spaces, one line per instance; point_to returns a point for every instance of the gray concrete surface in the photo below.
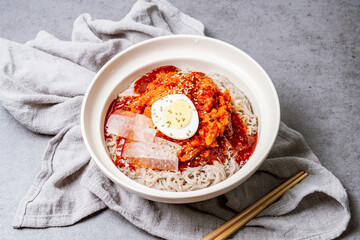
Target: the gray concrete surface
pixel 310 49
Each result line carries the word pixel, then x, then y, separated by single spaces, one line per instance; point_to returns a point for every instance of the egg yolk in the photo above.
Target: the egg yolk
pixel 177 115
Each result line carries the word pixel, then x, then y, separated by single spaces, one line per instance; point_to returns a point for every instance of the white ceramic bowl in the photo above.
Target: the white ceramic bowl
pixel 202 54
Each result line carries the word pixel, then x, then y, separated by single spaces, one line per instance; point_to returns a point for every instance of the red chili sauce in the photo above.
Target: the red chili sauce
pixel 221 130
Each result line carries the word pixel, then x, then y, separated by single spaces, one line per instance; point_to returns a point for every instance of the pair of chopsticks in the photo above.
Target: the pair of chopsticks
pixel 239 220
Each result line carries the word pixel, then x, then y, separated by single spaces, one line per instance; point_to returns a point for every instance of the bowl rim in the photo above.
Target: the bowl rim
pixel 189 196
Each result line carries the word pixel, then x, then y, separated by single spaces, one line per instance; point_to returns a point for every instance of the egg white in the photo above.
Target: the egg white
pixel 180 133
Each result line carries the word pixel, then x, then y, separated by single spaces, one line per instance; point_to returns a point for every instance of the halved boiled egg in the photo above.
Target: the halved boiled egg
pixel 175 116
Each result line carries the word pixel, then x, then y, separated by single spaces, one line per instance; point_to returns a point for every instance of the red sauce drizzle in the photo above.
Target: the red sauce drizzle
pixel 242 144
pixel 140 85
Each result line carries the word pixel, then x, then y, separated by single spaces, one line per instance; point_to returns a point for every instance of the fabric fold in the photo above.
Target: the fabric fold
pixel 42 84
pixel 56 197
pixel 37 88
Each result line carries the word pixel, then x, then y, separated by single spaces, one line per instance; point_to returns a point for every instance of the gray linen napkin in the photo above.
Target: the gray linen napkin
pixel 42 85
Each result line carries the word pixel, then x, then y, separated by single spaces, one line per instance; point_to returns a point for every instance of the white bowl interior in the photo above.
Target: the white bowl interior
pixel 187 53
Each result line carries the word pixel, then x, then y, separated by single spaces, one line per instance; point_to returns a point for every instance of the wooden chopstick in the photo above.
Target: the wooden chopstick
pixel 239 220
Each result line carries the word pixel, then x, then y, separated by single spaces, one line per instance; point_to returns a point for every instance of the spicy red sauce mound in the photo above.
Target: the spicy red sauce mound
pixel 221 132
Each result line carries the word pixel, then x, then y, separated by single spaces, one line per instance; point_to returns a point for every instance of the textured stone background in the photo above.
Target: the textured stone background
pixel 310 49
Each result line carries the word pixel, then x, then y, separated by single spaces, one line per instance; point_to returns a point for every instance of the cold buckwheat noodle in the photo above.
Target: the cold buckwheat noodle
pixel 205 174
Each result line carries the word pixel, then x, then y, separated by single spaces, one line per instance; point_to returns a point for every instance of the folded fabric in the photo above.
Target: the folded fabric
pixel 42 85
